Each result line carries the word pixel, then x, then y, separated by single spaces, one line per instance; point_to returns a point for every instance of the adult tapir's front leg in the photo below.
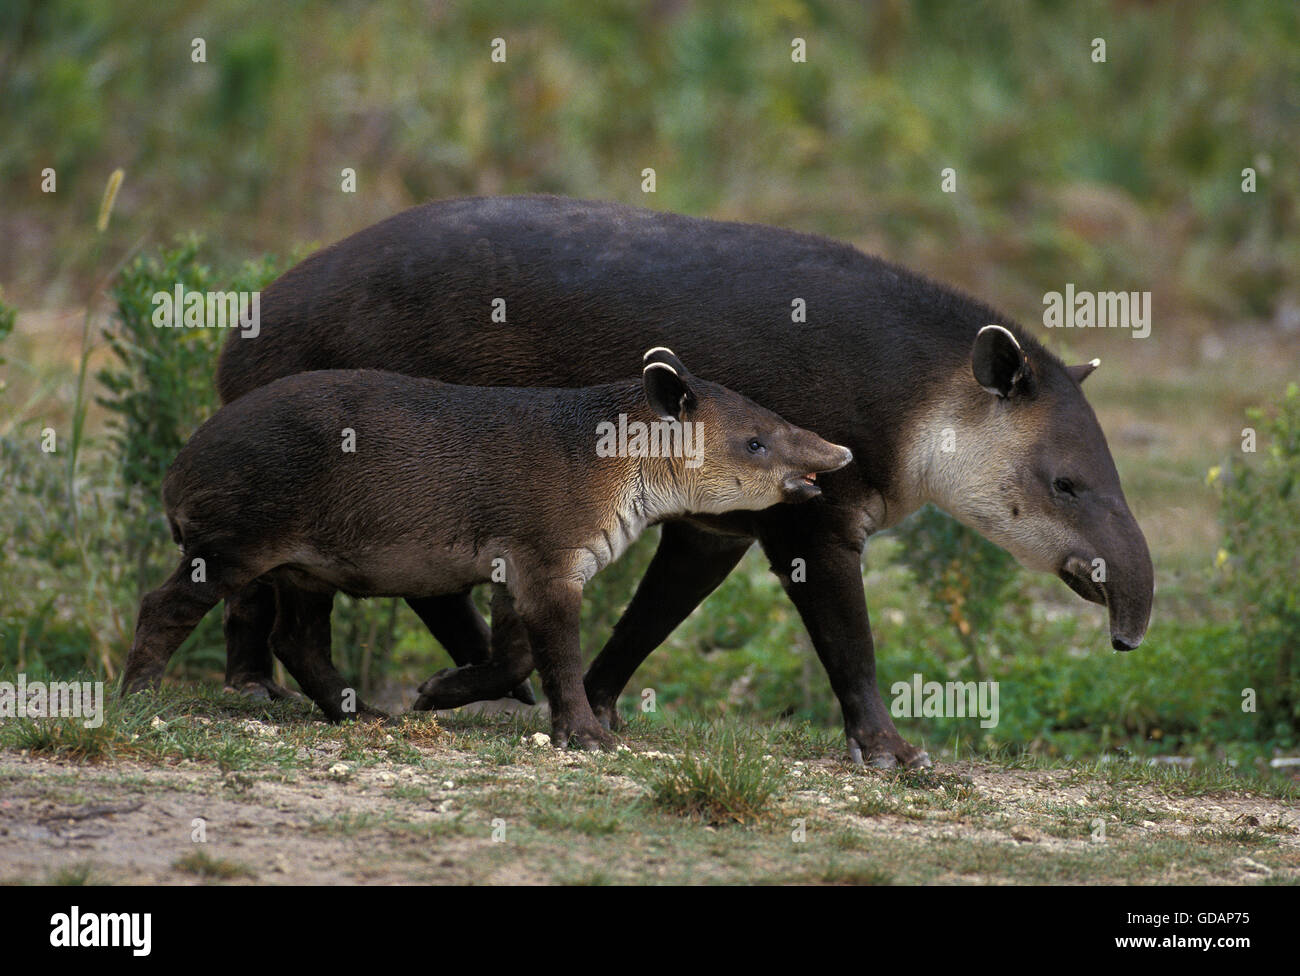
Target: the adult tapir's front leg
pixel 829 597
pixel 688 565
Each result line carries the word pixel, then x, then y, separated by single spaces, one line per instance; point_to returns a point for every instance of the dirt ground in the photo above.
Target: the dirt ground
pixel 491 803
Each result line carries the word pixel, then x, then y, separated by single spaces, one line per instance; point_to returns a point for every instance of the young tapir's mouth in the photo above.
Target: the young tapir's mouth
pixel 801 487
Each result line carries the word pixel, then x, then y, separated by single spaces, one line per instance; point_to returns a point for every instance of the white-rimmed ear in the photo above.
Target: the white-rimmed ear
pixel 1083 370
pixel 998 362
pixel 667 391
pixel 662 354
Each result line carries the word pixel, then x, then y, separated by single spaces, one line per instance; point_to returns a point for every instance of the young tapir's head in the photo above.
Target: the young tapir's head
pixel 1011 448
pixel 742 456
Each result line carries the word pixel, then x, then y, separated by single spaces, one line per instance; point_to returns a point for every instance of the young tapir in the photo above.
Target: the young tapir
pixel 544 291
pixel 379 484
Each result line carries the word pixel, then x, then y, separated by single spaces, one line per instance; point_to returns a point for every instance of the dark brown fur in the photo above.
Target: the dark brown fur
pixel 448 486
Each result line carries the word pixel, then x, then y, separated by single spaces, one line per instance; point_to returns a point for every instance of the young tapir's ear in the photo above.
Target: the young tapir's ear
pixel 662 354
pixel 999 364
pixel 1083 371
pixel 667 391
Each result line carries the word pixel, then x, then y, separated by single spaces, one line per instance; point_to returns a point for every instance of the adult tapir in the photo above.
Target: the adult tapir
pixel 940 399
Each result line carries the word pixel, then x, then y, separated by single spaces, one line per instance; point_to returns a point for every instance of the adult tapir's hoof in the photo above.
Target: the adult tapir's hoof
pixel 131 683
pixel 881 751
pixel 260 688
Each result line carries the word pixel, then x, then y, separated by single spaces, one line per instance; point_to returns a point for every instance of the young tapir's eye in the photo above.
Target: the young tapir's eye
pixel 755 446
pixel 1064 485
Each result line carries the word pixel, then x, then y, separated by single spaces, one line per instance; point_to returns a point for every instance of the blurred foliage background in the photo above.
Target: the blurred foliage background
pixel 1126 174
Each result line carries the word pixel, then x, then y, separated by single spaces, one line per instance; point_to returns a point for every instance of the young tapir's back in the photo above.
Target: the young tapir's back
pixel 396 473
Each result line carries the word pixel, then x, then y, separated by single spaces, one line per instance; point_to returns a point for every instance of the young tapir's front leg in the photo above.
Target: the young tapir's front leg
pixel 831 601
pixel 504 673
pixel 550 611
pixel 301 639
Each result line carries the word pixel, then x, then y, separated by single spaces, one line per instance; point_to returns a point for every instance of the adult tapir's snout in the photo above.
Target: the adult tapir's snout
pixel 1115 572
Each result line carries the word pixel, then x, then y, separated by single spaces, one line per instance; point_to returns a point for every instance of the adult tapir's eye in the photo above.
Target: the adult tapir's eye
pixel 1065 486
pixel 755 446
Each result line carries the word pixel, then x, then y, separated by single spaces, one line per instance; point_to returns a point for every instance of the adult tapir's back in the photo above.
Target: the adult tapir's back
pixel 586 285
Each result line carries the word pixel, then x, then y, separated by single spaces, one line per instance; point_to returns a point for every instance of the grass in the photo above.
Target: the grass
pixel 199 862
pixel 721 774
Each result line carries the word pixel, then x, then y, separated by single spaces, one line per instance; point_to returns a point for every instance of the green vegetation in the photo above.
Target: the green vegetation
pixel 721 774
pixel 1123 174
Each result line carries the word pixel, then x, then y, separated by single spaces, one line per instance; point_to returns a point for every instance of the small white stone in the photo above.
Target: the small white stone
pixel 157 723
pixel 539 739
pixel 340 771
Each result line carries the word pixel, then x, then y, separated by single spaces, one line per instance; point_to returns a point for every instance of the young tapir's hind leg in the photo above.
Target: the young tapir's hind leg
pixel 169 613
pixel 461 629
pixel 550 611
pixel 510 664
pixel 301 639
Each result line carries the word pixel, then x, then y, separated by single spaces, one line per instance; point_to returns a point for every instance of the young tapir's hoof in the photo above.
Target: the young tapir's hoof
pixel 886 752
pixel 590 738
pixel 364 713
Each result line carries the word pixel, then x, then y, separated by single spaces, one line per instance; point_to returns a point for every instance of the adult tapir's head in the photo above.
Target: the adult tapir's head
pixel 1011 448
pixel 743 456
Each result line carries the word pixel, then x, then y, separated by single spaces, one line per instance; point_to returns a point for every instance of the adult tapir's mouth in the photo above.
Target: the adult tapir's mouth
pixel 1078 574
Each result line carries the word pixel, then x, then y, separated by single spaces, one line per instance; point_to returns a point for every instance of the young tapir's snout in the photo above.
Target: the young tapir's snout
pixel 1012 448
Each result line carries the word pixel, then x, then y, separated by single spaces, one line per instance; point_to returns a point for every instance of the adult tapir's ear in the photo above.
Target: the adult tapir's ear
pixel 999 364
pixel 1083 371
pixel 662 354
pixel 667 391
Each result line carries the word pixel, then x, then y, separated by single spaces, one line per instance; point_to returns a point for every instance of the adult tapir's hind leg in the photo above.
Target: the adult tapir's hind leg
pixel 510 664
pixel 169 613
pixel 688 565
pixel 246 623
pixel 301 639
pixel 461 629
